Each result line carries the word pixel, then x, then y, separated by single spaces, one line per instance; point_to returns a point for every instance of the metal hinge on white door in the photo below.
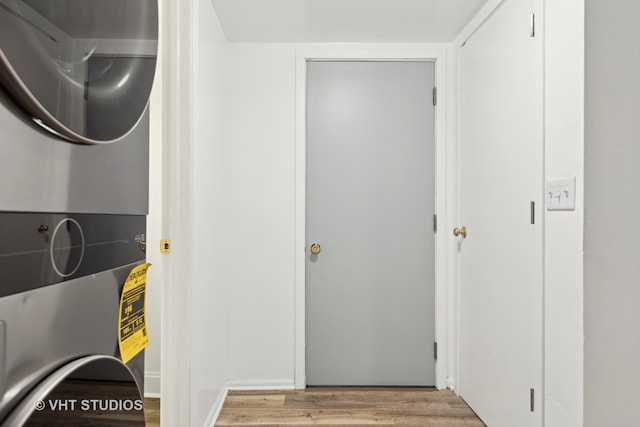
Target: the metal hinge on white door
pixel 533 25
pixel 532 399
pixel 435 223
pixel 435 351
pixel 533 213
pixel 435 96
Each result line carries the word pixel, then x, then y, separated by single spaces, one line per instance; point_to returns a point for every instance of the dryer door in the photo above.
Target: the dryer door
pixel 94 390
pixel 82 69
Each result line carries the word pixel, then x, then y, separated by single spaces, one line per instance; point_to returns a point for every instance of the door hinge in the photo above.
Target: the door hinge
pixel 533 25
pixel 435 351
pixel 532 393
pixel 435 223
pixel 533 213
pixel 435 96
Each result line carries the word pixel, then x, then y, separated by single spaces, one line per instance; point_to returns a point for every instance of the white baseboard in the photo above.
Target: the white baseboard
pixel 277 384
pixel 152 384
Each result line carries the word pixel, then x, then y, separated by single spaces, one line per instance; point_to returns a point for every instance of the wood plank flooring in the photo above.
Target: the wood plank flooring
pixel 152 412
pixel 347 407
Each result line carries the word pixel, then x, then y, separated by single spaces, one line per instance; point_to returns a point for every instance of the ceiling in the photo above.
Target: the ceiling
pixel 309 21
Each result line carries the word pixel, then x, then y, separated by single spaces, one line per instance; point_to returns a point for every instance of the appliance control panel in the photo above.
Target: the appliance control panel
pixel 41 249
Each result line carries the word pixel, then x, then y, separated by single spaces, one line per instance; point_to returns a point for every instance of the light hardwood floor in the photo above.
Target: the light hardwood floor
pixel 347 406
pixel 152 412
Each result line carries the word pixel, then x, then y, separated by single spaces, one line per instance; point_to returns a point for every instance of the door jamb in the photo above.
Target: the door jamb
pixel 445 178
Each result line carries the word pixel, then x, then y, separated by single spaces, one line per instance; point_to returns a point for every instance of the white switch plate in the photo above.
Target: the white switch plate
pixel 561 194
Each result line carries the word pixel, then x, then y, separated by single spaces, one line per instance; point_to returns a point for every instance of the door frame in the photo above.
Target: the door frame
pixel 446 153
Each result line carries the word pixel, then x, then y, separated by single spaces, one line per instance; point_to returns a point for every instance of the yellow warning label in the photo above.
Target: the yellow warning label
pixel 132 327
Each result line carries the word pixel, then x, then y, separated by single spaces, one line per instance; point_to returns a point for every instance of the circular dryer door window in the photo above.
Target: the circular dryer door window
pixel 83 69
pixel 67 247
pixel 90 391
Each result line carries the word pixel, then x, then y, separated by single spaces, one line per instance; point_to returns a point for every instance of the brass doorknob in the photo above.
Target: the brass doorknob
pixel 315 249
pixel 460 232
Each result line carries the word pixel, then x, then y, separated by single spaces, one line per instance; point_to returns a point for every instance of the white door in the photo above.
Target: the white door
pixel 501 258
pixel 370 204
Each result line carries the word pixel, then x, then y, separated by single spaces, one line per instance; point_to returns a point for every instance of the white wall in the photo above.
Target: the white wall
pixel 255 223
pixel 210 290
pixel 612 209
pixel 564 152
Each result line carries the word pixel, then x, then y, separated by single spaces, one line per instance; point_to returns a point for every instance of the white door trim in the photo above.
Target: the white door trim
pixel 177 40
pixel 444 185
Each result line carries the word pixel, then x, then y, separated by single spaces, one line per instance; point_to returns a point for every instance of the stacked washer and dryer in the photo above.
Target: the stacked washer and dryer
pixel 75 78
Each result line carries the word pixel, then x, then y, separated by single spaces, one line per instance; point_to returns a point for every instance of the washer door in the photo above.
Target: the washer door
pixel 83 69
pixel 94 390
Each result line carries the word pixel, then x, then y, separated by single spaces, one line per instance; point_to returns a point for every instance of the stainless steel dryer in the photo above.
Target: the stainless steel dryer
pixel 61 278
pixel 75 77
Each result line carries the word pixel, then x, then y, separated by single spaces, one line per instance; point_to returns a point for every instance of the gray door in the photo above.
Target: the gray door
pixel 370 205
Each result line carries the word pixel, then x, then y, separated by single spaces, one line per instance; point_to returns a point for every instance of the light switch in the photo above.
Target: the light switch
pixel 560 194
